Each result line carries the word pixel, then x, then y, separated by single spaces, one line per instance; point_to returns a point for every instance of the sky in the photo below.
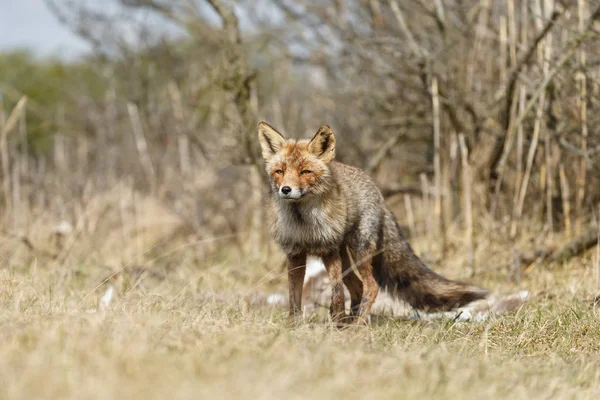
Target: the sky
pixel 30 24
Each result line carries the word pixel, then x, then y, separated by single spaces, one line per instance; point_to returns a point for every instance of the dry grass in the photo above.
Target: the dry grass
pixel 183 326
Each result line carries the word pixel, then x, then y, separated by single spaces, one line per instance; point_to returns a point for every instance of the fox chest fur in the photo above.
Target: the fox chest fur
pixel 315 227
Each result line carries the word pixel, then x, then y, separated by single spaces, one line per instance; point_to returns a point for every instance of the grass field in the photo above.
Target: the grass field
pixel 192 332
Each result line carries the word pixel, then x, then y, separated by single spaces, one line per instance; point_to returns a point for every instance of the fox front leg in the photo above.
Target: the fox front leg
pixel 296 271
pixel 333 264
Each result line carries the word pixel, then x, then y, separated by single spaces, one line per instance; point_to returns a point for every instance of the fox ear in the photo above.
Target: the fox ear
pixel 271 141
pixel 322 144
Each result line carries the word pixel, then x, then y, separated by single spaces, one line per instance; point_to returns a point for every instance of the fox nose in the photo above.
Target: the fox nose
pixel 286 190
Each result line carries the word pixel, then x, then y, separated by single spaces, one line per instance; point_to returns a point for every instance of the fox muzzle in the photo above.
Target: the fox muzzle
pixel 290 193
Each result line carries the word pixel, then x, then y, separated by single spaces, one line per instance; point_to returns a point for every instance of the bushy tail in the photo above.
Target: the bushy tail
pixel 399 271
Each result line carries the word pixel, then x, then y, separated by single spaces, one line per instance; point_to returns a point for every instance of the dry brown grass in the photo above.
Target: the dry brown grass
pixel 183 325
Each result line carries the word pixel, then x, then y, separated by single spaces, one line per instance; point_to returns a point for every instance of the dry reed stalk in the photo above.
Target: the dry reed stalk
pixel 426 209
pixel 141 145
pixel 410 216
pixel 503 50
pixel 539 24
pixel 505 154
pixel 83 149
pixel 18 208
pixel 24 162
pixel 6 126
pixel 598 252
pixel 137 216
pixel 109 130
pixel 4 156
pixel 436 156
pixel 24 169
pixel 125 237
pixel 59 151
pixel 295 114
pixel 512 32
pixel 183 146
pixel 375 7
pixel 543 177
pixel 548 9
pixel 447 200
pixel 278 114
pixel 254 240
pixel 58 141
pixel 524 23
pixel 482 23
pixel 452 178
pixel 439 11
pixel 581 177
pixel 466 175
pixel 40 194
pixel 520 145
pixel 564 188
pixel 417 50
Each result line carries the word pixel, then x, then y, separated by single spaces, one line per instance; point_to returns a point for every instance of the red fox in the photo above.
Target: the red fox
pixel 324 208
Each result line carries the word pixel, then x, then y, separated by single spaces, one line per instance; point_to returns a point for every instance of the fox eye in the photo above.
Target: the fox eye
pixel 279 171
pixel 305 171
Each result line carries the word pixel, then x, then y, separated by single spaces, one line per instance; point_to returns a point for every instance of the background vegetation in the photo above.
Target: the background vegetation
pixel 137 167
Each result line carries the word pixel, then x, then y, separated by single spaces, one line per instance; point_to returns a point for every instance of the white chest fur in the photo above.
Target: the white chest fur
pixel 303 225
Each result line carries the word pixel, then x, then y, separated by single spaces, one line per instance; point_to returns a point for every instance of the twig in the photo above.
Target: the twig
pixel 382 152
pixel 464 152
pixel 436 155
pixel 581 178
pixel 389 191
pixel 520 146
pixel 564 186
pixel 503 48
pixel 425 188
pixel 417 50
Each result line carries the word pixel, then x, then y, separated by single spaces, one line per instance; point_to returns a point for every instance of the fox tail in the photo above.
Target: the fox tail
pixel 399 271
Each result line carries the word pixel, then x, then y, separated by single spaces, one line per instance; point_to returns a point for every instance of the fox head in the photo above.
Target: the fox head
pixel 298 169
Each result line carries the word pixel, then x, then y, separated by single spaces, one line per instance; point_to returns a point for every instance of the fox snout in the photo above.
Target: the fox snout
pixel 290 193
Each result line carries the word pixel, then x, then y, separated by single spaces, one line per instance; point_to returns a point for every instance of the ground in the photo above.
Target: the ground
pixel 154 347
pixel 197 331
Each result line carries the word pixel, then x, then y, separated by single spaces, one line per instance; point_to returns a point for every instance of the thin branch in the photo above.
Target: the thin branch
pixel 230 21
pixel 383 151
pixel 418 50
